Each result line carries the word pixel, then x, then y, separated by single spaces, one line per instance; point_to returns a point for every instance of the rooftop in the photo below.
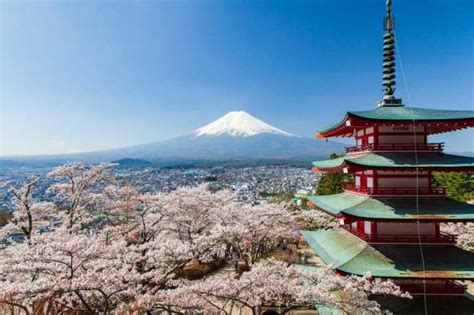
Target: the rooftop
pixel 397 160
pixel 412 113
pixel 402 115
pixel 394 208
pixel 353 256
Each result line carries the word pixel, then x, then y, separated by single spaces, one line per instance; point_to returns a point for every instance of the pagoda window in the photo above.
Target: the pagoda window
pixel 365 139
pixel 357 180
pixel 370 182
pixel 371 139
pixel 367 227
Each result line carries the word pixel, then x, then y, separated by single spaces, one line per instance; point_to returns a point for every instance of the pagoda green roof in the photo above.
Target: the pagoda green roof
pixel 334 204
pixel 410 113
pixel 394 208
pixel 399 160
pixel 351 255
pixel 405 113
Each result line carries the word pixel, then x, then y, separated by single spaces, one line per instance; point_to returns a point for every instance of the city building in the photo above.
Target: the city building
pixel 391 213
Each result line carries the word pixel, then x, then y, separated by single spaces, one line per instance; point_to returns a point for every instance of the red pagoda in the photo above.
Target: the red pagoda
pixel 390 214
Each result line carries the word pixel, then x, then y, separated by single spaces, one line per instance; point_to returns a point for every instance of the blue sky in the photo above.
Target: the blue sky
pixel 80 76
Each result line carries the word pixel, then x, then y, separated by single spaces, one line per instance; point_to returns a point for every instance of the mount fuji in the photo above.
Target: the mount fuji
pixel 236 135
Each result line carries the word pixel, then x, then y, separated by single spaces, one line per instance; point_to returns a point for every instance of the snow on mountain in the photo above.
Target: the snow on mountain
pixel 238 124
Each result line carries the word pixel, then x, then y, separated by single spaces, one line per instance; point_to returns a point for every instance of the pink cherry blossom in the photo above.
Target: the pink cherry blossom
pixel 464 233
pixel 117 250
pixel 29 213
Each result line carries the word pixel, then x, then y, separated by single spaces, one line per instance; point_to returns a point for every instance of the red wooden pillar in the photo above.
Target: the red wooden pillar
pixel 430 180
pixel 375 181
pixel 425 136
pixel 363 180
pixel 376 137
pixel 373 231
pixel 360 226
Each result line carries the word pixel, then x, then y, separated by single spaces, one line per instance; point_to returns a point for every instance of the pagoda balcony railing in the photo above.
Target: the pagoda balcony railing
pixel 397 238
pixel 354 231
pixel 446 287
pixel 441 238
pixel 430 147
pixel 395 191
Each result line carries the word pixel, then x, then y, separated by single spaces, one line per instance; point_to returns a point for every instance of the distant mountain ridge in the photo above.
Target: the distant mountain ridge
pixel 236 135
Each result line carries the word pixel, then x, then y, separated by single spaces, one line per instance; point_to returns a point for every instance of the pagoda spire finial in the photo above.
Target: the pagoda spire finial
pixel 388 5
pixel 388 78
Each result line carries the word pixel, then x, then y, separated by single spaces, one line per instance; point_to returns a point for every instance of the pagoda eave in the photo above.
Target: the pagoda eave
pixel 422 218
pixel 350 255
pixel 427 275
pixel 351 123
pixel 396 161
pixel 347 218
pixel 351 208
pixel 349 167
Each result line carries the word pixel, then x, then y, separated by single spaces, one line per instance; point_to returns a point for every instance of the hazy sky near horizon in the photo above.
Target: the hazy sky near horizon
pixel 88 75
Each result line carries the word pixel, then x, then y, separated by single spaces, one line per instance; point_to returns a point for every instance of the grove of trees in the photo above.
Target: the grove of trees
pixel 113 249
pixel 459 186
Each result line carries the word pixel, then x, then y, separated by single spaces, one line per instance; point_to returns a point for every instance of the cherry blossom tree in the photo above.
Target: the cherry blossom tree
pixel 352 291
pixel 208 223
pixel 254 231
pixel 127 213
pixel 74 189
pixel 60 270
pixel 314 219
pixel 464 233
pixel 28 212
pixel 466 240
pixel 175 226
pixel 190 216
pixel 278 285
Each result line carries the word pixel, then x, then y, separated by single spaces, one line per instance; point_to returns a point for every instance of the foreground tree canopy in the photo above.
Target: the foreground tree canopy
pixel 459 186
pixel 112 249
pixel 331 183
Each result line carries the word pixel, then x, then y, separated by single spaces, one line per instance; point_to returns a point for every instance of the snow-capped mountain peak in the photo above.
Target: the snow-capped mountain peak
pixel 238 124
